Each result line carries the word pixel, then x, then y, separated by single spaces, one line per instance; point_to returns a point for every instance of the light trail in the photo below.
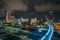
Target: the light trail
pixel 49 34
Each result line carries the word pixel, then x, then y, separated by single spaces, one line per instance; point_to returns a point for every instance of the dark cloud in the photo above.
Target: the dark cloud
pixel 16 5
pixel 40 5
pixel 48 6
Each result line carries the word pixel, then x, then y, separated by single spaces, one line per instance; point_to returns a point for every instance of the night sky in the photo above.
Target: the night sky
pixel 25 7
pixel 38 5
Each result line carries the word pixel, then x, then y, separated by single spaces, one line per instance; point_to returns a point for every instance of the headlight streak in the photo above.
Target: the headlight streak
pixel 49 34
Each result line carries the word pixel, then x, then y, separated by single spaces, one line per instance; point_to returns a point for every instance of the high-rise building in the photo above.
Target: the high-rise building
pixel 9 18
pixel 33 21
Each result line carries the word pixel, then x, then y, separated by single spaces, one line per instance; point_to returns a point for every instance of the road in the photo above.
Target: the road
pixel 49 34
pixel 36 35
